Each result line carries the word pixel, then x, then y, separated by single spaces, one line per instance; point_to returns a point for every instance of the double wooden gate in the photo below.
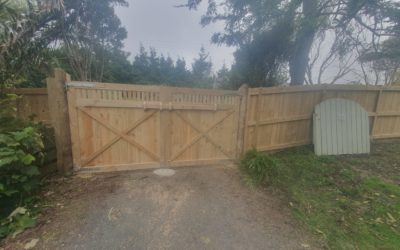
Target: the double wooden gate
pixel 118 127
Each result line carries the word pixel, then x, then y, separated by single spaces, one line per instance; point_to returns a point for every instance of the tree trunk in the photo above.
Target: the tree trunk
pixel 302 45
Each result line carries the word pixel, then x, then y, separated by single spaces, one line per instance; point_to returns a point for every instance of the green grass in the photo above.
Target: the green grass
pixel 332 200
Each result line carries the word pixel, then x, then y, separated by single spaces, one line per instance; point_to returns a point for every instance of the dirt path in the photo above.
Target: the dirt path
pixel 197 208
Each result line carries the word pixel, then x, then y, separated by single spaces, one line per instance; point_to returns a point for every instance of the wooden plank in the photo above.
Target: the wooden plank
pixel 146 166
pixel 117 132
pixel 284 145
pixel 387 114
pixel 257 120
pixel 74 126
pixel 387 136
pixel 201 135
pixel 310 88
pixel 202 162
pixel 241 132
pixel 149 88
pixel 26 91
pixel 118 167
pixel 165 127
pixel 280 120
pixel 376 110
pixel 58 107
pixel 117 138
pixel 205 134
pixel 150 105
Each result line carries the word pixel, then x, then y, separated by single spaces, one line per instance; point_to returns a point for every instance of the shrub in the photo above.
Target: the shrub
pixel 259 167
pixel 21 154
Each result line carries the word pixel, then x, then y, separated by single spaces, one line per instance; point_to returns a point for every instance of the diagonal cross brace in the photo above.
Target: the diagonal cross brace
pixel 201 135
pixel 120 135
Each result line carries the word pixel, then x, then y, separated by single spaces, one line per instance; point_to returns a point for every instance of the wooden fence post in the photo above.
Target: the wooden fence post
pixel 58 107
pixel 243 91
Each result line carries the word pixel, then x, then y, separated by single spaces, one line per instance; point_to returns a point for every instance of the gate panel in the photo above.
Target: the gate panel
pixel 119 127
pixel 115 136
pixel 206 130
pixel 111 127
pixel 203 136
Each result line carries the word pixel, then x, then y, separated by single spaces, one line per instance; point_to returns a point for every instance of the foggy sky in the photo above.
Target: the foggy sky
pixel 177 32
pixel 171 31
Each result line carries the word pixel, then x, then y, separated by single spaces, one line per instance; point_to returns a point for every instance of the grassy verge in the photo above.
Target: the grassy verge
pixel 345 209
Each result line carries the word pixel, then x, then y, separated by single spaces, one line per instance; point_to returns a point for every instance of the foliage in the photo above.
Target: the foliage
pixel 8 120
pixel 116 67
pixel 152 68
pixel 201 69
pixel 93 35
pixel 385 58
pixel 260 62
pixel 88 31
pixel 21 153
pixel 85 39
pixel 149 67
pixel 297 22
pixel 27 29
pixel 331 199
pixel 261 168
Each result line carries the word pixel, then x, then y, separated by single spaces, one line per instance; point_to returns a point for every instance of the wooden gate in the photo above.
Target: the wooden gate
pixel 122 127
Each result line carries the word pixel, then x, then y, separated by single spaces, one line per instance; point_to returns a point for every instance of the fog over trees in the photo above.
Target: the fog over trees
pixel 307 38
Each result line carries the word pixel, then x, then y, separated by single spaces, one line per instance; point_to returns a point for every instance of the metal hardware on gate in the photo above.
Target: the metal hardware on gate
pixel 81 84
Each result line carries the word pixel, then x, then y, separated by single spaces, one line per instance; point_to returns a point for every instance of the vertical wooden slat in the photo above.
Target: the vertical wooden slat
pixel 58 107
pixel 376 112
pixel 73 117
pixel 243 91
pixel 165 126
pixel 257 120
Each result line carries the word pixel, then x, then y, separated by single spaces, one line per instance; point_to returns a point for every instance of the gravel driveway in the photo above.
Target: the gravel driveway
pixel 197 208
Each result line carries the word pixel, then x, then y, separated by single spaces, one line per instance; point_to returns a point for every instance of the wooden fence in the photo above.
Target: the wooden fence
pixel 119 126
pixel 32 103
pixel 281 117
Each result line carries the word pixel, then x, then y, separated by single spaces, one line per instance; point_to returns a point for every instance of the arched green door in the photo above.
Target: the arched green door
pixel 340 127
